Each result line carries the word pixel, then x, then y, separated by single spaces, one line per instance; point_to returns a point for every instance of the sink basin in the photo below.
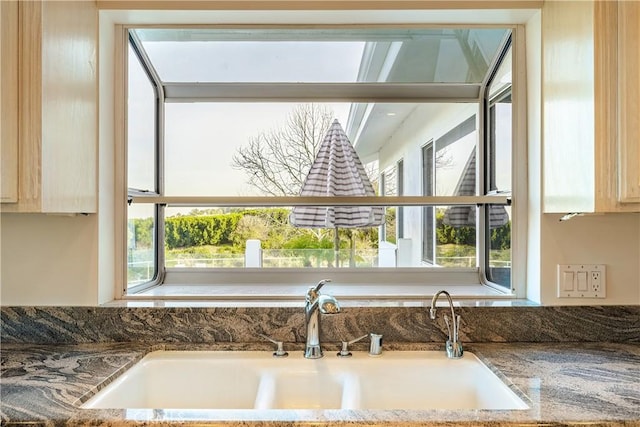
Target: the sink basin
pixel 415 380
pixel 185 380
pixel 430 380
pixel 302 389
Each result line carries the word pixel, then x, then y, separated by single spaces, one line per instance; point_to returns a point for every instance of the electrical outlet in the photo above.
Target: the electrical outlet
pixel 595 281
pixel 582 281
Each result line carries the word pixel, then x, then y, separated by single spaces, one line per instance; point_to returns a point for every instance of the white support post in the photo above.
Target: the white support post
pixel 253 253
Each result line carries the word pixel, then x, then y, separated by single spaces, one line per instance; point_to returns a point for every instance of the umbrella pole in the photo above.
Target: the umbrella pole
pixel 352 251
pixel 336 248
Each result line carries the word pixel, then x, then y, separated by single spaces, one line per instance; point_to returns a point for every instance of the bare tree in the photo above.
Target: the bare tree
pixel 277 161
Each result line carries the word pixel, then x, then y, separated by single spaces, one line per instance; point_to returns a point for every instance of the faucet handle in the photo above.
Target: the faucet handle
pixel 375 347
pixel 345 346
pixel 280 347
pixel 453 346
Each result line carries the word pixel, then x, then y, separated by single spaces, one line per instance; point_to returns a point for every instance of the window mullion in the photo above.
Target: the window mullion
pixel 268 201
pixel 321 92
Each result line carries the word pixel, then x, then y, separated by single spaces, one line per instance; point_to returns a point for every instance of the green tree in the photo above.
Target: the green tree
pixel 142 232
pixel 447 234
pixel 501 237
pixel 250 227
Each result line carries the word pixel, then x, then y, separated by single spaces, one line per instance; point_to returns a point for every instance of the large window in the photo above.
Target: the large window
pixel 302 150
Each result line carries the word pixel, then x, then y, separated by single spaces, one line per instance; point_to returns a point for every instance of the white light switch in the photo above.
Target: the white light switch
pixel 582 281
pixel 567 280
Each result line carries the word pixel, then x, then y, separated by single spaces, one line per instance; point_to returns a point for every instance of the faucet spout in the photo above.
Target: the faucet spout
pixel 453 345
pixel 315 304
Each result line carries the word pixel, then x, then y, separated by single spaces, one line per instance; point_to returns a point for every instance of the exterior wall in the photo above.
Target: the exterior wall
pixel 426 123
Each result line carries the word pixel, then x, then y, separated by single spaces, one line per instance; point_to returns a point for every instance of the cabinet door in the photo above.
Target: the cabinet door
pixel 9 101
pixel 629 101
pixel 56 116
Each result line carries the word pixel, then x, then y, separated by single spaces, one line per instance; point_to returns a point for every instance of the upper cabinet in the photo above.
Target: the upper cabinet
pixel 56 164
pixel 629 100
pixel 591 96
pixel 9 101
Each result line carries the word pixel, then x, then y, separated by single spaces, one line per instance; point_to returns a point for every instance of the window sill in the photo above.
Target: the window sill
pixel 293 295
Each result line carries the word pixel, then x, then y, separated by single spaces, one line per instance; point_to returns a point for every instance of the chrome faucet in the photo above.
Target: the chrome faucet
pixel 453 346
pixel 315 304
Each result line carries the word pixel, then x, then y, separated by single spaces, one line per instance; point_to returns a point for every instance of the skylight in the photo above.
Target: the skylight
pixel 322 56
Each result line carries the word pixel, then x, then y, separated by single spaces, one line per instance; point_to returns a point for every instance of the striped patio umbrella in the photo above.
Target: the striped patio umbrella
pixel 337 171
pixel 463 216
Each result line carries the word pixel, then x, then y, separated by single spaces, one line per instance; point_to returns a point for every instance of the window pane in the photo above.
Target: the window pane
pixel 500 245
pixel 262 237
pixel 428 218
pixel 141 104
pixel 400 209
pixel 500 122
pixel 241 149
pixel 322 55
pixel 390 188
pixel 449 169
pixel 499 172
pixel 500 145
pixel 456 236
pixel 140 243
pixel 455 160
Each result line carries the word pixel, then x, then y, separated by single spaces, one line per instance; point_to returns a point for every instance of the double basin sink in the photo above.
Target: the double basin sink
pixel 250 380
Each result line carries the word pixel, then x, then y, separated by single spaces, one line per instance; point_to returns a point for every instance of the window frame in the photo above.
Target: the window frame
pixel 160 202
pixel 486 159
pixel 400 191
pixel 428 246
pixel 158 190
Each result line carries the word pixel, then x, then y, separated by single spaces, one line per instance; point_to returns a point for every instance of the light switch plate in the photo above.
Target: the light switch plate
pixel 582 281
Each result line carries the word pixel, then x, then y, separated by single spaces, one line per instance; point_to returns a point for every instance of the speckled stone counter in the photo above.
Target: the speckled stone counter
pixel 563 383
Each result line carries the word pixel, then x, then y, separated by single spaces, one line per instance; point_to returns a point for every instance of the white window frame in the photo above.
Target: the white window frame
pixel 395 275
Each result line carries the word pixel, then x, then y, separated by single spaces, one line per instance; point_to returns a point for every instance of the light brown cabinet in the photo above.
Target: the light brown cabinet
pixel 57 109
pixel 9 101
pixel 591 96
pixel 629 100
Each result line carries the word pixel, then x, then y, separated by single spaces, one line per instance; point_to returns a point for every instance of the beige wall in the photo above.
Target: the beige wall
pixel 48 259
pixel 53 260
pixel 611 239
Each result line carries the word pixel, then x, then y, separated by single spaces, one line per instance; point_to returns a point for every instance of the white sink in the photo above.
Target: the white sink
pixel 417 380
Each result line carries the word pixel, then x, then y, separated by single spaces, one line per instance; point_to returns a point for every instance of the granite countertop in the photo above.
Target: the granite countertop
pixel 563 383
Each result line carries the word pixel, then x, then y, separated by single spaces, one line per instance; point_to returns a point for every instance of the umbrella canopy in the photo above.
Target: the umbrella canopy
pixel 464 216
pixel 337 171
